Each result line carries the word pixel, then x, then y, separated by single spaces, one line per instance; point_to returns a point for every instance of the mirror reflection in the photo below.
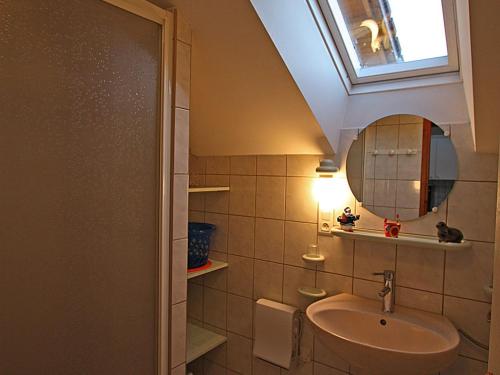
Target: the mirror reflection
pixel 402 165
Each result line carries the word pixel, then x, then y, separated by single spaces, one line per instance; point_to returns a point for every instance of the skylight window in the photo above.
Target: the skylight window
pixel 389 39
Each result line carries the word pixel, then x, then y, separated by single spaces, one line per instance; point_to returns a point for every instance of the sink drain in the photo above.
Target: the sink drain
pixel 383 322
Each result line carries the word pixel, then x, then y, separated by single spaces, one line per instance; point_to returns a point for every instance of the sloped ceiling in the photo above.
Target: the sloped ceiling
pixel 243 99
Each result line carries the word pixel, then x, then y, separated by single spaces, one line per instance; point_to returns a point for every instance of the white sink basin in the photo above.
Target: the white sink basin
pixel 408 341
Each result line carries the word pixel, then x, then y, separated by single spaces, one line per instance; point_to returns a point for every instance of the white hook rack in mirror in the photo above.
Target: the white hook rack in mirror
pixel 402 151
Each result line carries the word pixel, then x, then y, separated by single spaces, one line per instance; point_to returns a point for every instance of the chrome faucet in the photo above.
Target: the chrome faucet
pixel 387 292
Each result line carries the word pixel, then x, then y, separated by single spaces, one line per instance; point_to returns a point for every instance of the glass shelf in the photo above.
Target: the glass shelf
pixel 200 341
pixel 403 239
pixel 216 265
pixel 208 189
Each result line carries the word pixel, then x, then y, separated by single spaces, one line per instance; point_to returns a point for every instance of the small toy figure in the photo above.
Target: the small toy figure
pixel 347 220
pixel 447 234
pixel 392 228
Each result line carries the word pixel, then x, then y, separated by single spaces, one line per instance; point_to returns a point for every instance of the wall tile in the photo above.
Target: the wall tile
pixel 386 167
pixel 218 242
pixel 410 167
pixel 261 367
pixel 216 280
pixel 197 164
pixel 385 212
pixel 302 165
pixel 384 193
pixel 269 239
pixel 368 192
pixel 240 315
pixel 214 307
pixel 338 254
pixel 178 348
pixel 320 369
pixel 300 203
pixel 426 225
pixel 368 220
pixel 219 354
pixel 241 235
pixel 180 207
pixel 271 165
pixel 197 201
pixel 217 255
pixel 294 278
pixel 239 354
pixel 270 199
pixel 418 299
pixel 369 166
pixel 410 135
pixel 471 316
pixel 472 166
pixel 298 236
pixel 408 194
pixel 466 366
pixel 301 369
pixel 242 195
pixel 240 276
pixel 179 270
pixel 370 257
pixel 420 268
pixel 196 179
pixel 410 119
pixel 268 280
pixel 473 198
pixel 325 356
pixel 217 202
pixel 387 137
pixel 196 216
pixel 469 271
pixel 181 141
pixel 389 120
pixel 218 165
pixel 183 75
pixel 211 368
pixel 183 29
pixel 195 301
pixel 406 214
pixel 244 165
pixel 261 274
pixel 333 284
pixel 367 289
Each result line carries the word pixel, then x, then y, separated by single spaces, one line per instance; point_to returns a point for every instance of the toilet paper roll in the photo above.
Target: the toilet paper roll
pixel 276 332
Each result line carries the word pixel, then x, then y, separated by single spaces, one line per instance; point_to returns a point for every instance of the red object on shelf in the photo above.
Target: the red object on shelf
pixel 392 228
pixel 206 266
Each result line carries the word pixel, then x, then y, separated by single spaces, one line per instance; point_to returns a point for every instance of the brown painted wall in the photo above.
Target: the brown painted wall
pixel 485 62
pixel 243 98
pixel 79 185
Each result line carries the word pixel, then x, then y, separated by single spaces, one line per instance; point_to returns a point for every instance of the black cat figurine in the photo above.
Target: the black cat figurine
pixel 447 234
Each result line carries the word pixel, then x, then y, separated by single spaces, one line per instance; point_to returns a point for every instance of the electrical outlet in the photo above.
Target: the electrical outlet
pixel 325 221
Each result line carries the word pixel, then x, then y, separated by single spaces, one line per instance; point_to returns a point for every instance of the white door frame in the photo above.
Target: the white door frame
pixel 165 19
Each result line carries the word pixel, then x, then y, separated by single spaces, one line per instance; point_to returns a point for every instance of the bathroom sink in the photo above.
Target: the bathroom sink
pixel 406 341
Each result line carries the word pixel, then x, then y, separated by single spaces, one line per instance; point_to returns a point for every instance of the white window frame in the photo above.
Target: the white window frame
pixel 358 75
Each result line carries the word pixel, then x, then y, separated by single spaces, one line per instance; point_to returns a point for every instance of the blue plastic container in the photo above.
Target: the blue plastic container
pixel 198 243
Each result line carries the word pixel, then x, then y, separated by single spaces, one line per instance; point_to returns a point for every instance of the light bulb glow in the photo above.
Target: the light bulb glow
pixel 330 192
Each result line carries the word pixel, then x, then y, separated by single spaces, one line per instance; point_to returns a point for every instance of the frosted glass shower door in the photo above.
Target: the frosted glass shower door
pixel 80 188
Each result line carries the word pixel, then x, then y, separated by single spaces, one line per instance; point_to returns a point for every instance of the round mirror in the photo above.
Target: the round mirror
pixel 402 165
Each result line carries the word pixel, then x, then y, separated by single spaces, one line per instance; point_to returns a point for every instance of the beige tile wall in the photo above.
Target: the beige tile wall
pixel 266 222
pixel 182 70
pixel 392 183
